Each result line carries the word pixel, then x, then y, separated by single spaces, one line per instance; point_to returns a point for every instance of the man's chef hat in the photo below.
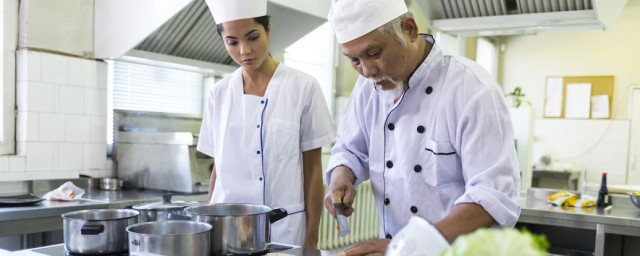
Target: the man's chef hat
pixel 228 10
pixel 352 19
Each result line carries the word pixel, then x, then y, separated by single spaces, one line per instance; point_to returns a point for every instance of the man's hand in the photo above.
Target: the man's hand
pixel 341 191
pixel 369 248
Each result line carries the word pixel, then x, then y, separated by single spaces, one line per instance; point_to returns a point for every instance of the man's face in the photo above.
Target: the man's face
pixel 379 57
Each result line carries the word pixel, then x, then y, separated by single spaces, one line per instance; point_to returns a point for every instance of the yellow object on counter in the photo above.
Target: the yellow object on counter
pixel 565 198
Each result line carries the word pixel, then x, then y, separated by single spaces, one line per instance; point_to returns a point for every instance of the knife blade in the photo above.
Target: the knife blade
pixel 343 223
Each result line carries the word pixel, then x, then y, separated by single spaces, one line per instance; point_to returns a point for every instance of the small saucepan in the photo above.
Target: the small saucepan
pixel 176 237
pixel 238 228
pixel 110 184
pixel 162 210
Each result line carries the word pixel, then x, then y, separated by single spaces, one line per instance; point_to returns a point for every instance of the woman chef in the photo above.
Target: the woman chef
pixel 265 125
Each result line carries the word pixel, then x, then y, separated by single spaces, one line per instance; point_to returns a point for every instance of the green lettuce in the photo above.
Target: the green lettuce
pixel 498 242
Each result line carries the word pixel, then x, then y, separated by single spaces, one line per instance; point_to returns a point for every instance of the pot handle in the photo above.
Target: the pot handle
pixel 277 214
pixel 89 229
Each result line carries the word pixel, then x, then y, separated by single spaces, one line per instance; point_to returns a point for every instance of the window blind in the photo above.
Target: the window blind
pixel 140 87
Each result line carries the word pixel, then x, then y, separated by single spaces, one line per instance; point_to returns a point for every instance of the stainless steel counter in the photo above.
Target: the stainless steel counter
pixel 45 216
pixel 535 209
pixel 596 230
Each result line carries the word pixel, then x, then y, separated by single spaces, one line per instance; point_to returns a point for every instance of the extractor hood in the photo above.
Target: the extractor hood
pixel 512 17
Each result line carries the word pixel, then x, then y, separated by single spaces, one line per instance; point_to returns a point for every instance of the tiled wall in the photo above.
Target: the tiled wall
pixel 61 128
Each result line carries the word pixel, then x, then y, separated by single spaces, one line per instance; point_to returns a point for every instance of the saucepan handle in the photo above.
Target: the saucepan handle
pixel 91 229
pixel 277 214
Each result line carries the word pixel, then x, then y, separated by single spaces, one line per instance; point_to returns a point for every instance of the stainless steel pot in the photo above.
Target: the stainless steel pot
pixel 161 210
pixel 169 238
pixel 110 184
pixel 97 231
pixel 237 228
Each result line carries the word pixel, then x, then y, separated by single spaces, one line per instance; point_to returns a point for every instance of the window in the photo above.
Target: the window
pixel 313 54
pixel 487 56
pixel 141 87
pixel 145 87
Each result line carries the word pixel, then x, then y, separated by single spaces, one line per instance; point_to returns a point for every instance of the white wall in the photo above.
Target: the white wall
pixel 62 108
pixel 528 60
pixel 62 26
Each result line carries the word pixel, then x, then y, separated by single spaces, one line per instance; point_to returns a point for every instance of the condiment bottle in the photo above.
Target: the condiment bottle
pixel 603 194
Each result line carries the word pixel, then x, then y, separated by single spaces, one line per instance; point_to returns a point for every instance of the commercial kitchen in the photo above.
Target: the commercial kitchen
pixel 107 97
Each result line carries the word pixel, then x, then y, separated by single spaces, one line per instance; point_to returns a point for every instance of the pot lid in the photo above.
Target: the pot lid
pixel 166 204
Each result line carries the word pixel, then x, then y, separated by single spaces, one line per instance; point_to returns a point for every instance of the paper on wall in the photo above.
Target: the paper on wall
pixel 600 106
pixel 553 97
pixel 578 103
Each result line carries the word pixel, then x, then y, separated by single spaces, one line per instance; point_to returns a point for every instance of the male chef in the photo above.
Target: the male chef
pixel 430 130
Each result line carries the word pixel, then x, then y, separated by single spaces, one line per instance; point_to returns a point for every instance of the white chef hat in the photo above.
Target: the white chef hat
pixel 228 10
pixel 352 19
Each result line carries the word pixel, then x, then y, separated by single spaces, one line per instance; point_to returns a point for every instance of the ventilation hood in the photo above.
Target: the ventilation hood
pixel 512 17
pixel 191 34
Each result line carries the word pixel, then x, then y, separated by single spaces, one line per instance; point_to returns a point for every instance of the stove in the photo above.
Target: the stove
pixel 58 250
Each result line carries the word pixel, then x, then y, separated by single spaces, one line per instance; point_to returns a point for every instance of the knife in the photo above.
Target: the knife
pixel 343 223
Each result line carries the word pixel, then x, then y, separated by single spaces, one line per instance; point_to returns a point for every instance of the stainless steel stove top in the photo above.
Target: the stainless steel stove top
pixel 58 250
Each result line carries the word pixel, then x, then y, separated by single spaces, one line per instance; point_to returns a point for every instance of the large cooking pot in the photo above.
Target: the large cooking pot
pixel 161 210
pixel 237 228
pixel 97 231
pixel 169 238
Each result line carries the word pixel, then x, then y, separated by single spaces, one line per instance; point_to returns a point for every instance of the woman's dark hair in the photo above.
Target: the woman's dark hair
pixel 262 20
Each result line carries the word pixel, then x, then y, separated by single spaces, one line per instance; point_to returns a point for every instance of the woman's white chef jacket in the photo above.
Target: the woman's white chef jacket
pixel 447 141
pixel 257 143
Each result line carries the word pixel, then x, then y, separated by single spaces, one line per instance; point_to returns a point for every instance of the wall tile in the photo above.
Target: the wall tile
pixel 55 69
pixel 95 156
pixel 21 126
pixel 52 127
pixel 34 66
pixel 101 75
pixel 77 128
pixel 98 129
pixel 82 72
pixel 70 156
pixel 21 96
pixel 71 99
pixel 17 163
pixel 32 126
pixel 96 101
pixel 40 156
pixel 41 97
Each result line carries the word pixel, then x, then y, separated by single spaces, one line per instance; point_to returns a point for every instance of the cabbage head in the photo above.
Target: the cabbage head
pixel 498 242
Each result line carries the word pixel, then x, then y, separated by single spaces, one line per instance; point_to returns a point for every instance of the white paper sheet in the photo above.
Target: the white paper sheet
pixel 578 103
pixel 600 106
pixel 553 98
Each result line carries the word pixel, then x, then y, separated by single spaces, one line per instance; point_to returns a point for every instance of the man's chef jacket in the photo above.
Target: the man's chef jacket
pixel 448 140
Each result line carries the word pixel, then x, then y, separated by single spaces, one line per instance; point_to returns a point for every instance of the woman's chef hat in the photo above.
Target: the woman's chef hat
pixel 352 19
pixel 228 10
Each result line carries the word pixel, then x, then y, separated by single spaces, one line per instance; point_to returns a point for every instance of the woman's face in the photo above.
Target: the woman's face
pixel 247 42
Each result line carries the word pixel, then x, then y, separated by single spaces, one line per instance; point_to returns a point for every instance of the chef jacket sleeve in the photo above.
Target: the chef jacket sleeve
pixel 316 127
pixel 487 151
pixel 205 140
pixel 351 148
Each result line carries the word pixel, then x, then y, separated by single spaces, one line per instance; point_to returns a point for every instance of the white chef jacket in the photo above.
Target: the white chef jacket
pixel 447 141
pixel 257 143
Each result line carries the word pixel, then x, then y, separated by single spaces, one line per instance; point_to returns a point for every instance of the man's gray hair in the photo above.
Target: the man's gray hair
pixel 394 28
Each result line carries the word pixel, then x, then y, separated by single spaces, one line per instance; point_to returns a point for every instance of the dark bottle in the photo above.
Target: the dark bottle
pixel 603 194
